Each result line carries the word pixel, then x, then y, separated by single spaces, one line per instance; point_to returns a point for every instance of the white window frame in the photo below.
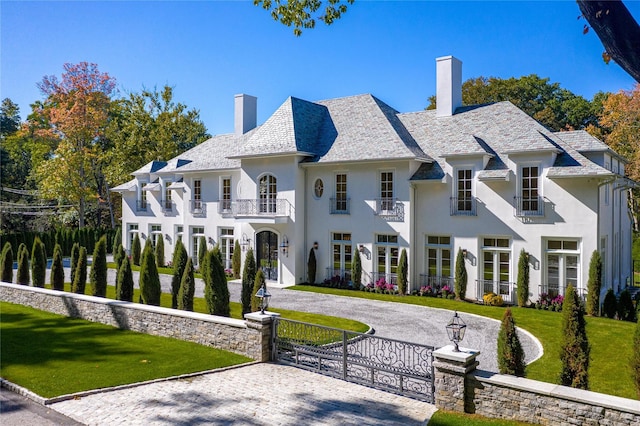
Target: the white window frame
pixel 196 232
pixel 225 202
pixel 563 253
pixel 155 232
pixel 267 200
pixel 389 268
pixel 226 240
pixel 530 203
pixel 345 248
pixel 341 196
pixel 387 196
pixel 439 248
pixel 132 230
pixel 456 190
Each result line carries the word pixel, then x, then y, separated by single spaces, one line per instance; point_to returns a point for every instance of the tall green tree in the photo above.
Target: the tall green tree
pixel 57 269
pixel 202 250
pixel 7 263
pixel 216 291
pixel 575 349
pixel 187 288
pixel 98 275
pixel 403 271
pixel 594 284
pixel 356 269
pixel 460 279
pixel 303 13
pixel 119 255
pixel 522 285
pixel 149 283
pixel 160 252
pixel 75 254
pixel 311 267
pixel 510 353
pixel 124 281
pixel 80 277
pixel 179 263
pixel 248 278
pixel 38 263
pixel 236 260
pixel 23 265
pixel 136 250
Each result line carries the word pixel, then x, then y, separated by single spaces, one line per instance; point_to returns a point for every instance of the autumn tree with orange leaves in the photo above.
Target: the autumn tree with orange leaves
pixel 75 111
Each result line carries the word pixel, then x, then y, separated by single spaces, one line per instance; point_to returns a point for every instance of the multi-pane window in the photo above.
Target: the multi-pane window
pixel 268 192
pixel 132 232
pixel 438 252
pixel 342 254
pixel 529 190
pixel 464 198
pixel 226 246
pixel 386 190
pixel 226 194
pixel 562 265
pixel 341 192
pixel 167 197
pixel 197 194
pixel 179 232
pixel 387 254
pixel 156 232
pixel 496 259
pixel 196 233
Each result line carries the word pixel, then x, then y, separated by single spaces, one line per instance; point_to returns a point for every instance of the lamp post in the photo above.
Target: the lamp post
pixel 264 297
pixel 455 330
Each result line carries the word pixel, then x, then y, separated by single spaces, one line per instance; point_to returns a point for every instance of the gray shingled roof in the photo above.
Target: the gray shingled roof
pixel 581 140
pixel 150 167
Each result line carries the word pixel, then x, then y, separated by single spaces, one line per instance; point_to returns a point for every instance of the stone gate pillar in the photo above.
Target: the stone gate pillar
pixel 262 324
pixel 451 369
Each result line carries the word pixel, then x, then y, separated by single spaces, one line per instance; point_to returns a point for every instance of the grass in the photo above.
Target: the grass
pixel 609 370
pixel 54 355
pixel 446 418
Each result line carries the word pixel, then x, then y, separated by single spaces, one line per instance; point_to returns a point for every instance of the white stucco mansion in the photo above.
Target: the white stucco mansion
pixel 352 173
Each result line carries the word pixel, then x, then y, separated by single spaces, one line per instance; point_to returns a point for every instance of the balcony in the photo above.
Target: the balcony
pixel 224 208
pixel 390 209
pixel 168 207
pixel 198 208
pixel 436 283
pixel 141 205
pixel 340 205
pixel 262 210
pixel 463 206
pixel 528 206
pixel 503 288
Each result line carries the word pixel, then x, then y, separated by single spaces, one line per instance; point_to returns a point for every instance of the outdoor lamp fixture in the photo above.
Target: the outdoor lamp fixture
pixel 142 234
pixel 284 245
pixel 212 241
pixel 455 330
pixel 264 297
pixel 167 237
pixel 315 245
pixel 244 243
pixel 464 253
pixel 361 248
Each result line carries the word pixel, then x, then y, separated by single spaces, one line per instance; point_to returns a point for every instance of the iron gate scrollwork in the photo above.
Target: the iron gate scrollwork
pixel 387 364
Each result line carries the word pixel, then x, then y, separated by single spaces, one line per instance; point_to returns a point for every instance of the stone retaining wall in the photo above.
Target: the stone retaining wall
pixel 460 387
pixel 248 337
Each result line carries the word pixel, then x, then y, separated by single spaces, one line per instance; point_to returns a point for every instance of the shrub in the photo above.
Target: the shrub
pixel 460 283
pixel 626 310
pixel 135 250
pixel 179 262
pixel 160 252
pixel 492 299
pixel 219 287
pixel 7 263
pixel 98 274
pixel 635 360
pixel 117 241
pixel 187 288
pixel 403 270
pixel 248 278
pixel 23 265
pixel 75 254
pixel 610 305
pixel 149 279
pixel 124 281
pixel 80 277
pixel 119 256
pixel 510 352
pixel 311 267
pixel 236 259
pixel 202 249
pixel 575 349
pixel 356 269
pixel 523 279
pixel 57 269
pixel 594 284
pixel 38 263
pixel 257 283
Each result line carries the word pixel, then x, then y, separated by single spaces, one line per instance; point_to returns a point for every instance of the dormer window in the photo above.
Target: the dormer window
pixel 528 202
pixel 463 202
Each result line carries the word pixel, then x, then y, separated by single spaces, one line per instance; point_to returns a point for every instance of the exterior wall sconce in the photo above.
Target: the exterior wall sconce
pixel 464 253
pixel 284 245
pixel 212 241
pixel 315 245
pixel 264 297
pixel 455 330
pixel 143 236
pixel 167 237
pixel 245 242
pixel 361 248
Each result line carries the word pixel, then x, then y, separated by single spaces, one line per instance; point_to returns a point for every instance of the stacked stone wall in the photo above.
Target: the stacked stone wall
pixel 239 336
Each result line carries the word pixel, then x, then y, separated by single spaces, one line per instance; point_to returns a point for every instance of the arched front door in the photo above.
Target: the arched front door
pixel 267 254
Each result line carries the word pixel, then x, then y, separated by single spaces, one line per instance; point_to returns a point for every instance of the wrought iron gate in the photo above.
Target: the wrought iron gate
pixel 387 364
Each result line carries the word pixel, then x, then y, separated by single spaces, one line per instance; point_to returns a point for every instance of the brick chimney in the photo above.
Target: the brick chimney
pixel 246 113
pixel 449 85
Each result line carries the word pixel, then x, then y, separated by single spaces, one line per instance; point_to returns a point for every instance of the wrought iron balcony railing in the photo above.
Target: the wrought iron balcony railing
pixel 528 206
pixel 141 205
pixel 552 291
pixel 503 288
pixel 388 278
pixel 463 206
pixel 198 208
pixel 224 207
pixel 167 206
pixel 390 209
pixel 338 275
pixel 340 205
pixel 274 207
pixel 435 283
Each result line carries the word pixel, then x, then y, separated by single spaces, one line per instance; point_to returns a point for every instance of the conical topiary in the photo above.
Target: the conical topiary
pixel 23 265
pixel 522 286
pixel 248 278
pixel 124 281
pixel 594 284
pixel 510 352
pixel 98 275
pixel 160 252
pixel 257 283
pixel 150 289
pixel 236 259
pixel 575 349
pixel 460 279
pixel 57 269
pixel 38 263
pixel 179 263
pixel 7 263
pixel 80 277
pixel 187 288
pixel 136 250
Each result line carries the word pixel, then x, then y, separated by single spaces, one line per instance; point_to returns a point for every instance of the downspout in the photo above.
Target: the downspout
pixel 306 215
pixel 598 235
pixel 414 238
pixel 622 187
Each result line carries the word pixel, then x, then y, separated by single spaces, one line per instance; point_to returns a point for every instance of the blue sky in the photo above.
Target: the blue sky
pixel 211 50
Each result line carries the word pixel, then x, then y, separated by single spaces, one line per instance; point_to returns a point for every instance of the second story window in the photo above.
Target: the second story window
pixel 529 190
pixel 197 194
pixel 386 191
pixel 340 204
pixel 226 194
pixel 268 191
pixel 463 202
pixel 167 203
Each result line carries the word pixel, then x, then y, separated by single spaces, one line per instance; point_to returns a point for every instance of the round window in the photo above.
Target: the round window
pixel 318 188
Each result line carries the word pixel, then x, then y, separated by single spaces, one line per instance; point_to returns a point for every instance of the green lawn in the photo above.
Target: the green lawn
pixel 611 340
pixel 445 418
pixel 54 355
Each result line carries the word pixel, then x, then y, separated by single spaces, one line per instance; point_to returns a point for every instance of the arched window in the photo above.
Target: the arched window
pixel 267 194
